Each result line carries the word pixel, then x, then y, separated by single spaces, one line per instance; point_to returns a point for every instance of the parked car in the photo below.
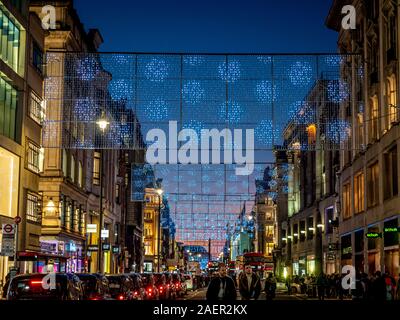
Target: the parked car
pixel 171 285
pixel 121 287
pixel 66 286
pixel 139 290
pixel 152 292
pixel 179 284
pixel 161 283
pixel 95 286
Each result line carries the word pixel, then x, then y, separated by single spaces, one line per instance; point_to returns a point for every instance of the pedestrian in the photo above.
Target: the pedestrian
pixel 221 287
pixel 249 284
pixel 398 288
pixel 270 287
pixel 321 285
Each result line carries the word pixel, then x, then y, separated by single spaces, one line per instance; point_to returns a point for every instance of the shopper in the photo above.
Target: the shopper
pixel 221 287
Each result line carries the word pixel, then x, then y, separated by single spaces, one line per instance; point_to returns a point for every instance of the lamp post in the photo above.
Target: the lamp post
pixel 159 193
pixel 102 124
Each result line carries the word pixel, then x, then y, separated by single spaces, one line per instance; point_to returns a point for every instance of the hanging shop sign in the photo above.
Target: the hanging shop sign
pixel 93 248
pixel 106 247
pixel 91 228
pixel 105 233
pixel 392 230
pixel 115 249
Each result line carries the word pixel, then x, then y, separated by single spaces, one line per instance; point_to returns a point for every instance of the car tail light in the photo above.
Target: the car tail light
pixel 178 284
pixel 36 282
pixel 121 298
pixel 136 293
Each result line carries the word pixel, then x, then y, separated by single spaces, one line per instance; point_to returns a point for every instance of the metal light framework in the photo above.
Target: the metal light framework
pixel 293 103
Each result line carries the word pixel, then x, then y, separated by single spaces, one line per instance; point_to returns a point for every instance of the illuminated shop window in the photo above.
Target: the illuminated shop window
pixel 9 172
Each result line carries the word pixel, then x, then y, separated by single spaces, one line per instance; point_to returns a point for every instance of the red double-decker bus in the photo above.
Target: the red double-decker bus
pixel 257 260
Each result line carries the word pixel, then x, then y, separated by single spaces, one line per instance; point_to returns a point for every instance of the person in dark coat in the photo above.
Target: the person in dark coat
pixel 249 284
pixel 222 287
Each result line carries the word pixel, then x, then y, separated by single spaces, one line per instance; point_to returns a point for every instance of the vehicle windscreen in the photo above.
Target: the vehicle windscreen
pixel 89 283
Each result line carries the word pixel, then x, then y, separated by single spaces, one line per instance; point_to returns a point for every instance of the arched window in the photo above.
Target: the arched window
pixel 391 99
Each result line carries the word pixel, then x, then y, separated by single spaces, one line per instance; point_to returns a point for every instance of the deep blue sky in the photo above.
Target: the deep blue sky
pixel 206 26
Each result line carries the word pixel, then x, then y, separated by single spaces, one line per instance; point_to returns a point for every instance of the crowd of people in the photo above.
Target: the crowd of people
pixel 374 287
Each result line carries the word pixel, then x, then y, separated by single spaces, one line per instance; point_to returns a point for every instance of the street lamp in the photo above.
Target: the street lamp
pixel 102 124
pixel 159 192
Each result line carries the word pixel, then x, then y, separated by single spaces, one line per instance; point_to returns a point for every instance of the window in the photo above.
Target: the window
pixel 147 230
pixel 35 158
pixel 329 220
pixel 33 208
pixel 390 174
pixel 373 185
pixel 9 173
pixel 302 234
pixel 10 42
pixel 311 228
pixel 72 170
pixel 37 58
pixel 96 168
pixel 391 93
pixel 147 248
pixel 312 134
pixel 147 215
pixel 80 174
pixel 8 109
pixel 82 221
pixel 63 211
pixel 36 109
pixel 117 194
pixel 346 201
pixel 373 119
pixel 295 233
pixel 65 163
pixel 359 192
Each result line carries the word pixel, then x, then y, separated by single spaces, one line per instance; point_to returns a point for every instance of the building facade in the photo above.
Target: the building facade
pixel 21 116
pixel 369 172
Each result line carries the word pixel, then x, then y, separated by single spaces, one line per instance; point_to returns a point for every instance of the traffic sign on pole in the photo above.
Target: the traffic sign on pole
pixel 8 229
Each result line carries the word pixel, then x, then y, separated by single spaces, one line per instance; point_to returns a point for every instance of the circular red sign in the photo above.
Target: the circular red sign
pixel 17 219
pixel 8 228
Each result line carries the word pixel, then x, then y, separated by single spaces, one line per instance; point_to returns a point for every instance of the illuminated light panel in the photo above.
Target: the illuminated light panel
pixel 193 93
pixel 234 114
pixel 229 72
pixel 266 92
pixel 301 73
pixel 338 131
pixel 156 70
pixel 157 110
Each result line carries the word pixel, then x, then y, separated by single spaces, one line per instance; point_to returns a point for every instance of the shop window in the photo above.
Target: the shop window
pixel 390 174
pixel 80 174
pixel 373 242
pixel 359 192
pixel 9 173
pixel 373 185
pixel 359 241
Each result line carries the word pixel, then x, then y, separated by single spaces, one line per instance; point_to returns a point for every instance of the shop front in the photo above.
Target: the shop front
pixel 311 265
pixel 374 253
pixel 346 251
pixel 72 250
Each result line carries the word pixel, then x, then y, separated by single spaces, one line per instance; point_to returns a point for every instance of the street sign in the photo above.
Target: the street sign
pixel 7 247
pixel 17 219
pixel 8 229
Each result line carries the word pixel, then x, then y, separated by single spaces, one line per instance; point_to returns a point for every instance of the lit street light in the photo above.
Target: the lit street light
pixel 159 192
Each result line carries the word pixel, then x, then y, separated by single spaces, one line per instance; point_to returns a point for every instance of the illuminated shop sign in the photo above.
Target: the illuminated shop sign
pixel 106 247
pixel 92 248
pixel 373 235
pixel 391 230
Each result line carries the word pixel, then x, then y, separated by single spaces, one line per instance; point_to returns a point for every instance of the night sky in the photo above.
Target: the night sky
pixel 210 26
